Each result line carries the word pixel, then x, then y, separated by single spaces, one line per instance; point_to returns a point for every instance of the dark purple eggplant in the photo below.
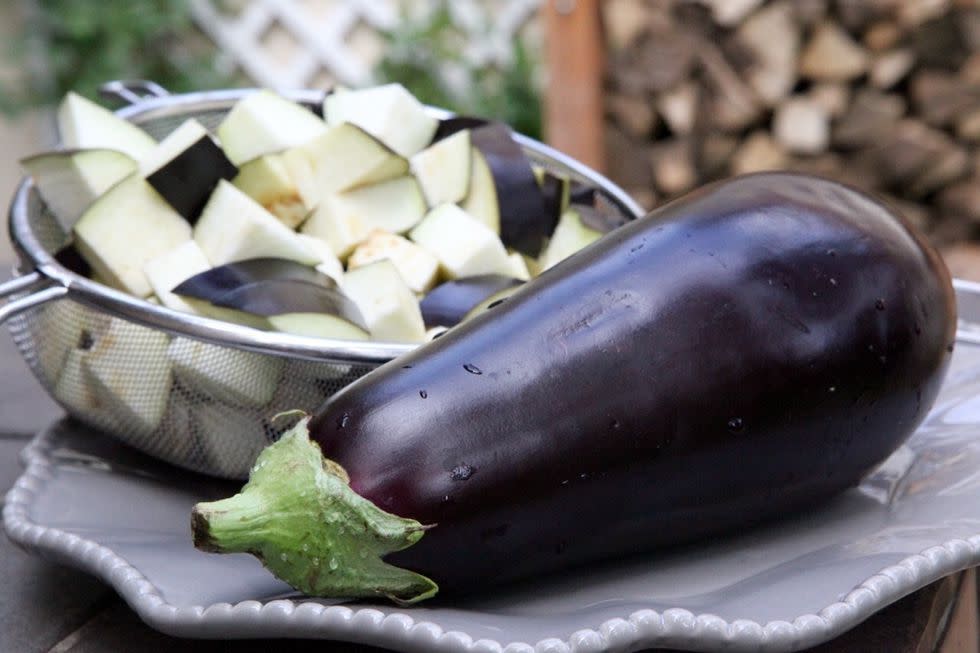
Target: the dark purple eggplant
pixel 555 190
pixel 448 303
pixel 579 193
pixel 525 222
pixel 187 180
pixel 282 290
pixel 71 258
pixel 739 354
pixel 449 126
pixel 288 296
pixel 211 284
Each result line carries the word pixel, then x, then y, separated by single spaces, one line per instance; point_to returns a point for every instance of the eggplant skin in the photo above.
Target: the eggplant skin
pixel 739 354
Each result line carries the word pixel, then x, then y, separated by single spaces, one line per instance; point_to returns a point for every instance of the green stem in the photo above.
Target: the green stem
pixel 299 516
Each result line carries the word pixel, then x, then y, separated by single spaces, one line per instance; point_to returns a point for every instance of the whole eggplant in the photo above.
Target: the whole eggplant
pixel 741 353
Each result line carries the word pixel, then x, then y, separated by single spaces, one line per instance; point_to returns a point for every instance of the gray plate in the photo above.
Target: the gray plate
pixel 92 503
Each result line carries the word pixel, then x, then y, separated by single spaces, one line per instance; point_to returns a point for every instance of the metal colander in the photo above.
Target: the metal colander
pixel 197 392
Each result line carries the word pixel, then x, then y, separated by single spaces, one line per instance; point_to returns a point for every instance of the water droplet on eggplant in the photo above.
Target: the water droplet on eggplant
pixel 462 472
pixel 472 369
pixel 423 394
pixel 343 421
pixel 880 304
pixel 736 425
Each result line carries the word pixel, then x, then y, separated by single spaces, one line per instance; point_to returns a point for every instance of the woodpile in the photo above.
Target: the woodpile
pixel 882 94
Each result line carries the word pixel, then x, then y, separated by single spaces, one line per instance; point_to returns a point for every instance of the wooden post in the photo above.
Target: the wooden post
pixel 575 61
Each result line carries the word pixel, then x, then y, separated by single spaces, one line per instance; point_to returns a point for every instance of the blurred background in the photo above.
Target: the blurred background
pixel 662 95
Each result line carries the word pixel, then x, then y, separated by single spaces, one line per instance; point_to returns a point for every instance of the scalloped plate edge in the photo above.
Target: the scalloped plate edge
pixel 285 618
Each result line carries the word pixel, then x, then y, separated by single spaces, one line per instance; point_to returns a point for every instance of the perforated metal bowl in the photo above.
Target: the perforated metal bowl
pixel 90 345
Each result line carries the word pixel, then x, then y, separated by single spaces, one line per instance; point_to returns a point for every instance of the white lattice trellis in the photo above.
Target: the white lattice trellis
pixel 313 43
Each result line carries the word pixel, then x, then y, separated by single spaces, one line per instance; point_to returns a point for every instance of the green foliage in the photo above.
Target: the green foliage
pixel 422 54
pixel 82 44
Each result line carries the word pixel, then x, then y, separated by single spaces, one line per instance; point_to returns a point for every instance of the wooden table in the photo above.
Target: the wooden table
pixel 51 608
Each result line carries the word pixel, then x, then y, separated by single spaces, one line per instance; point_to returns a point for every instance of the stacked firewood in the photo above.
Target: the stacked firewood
pixel 882 94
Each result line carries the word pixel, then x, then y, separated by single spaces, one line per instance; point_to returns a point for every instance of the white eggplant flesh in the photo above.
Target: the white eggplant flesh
pixel 388 112
pixel 263 123
pixel 234 227
pixel 464 246
pixel 170 269
pixel 124 229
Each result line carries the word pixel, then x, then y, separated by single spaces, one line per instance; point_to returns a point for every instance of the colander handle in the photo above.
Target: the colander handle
pixel 37 297
pixel 132 91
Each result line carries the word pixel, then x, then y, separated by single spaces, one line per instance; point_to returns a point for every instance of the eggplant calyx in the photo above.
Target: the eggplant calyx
pixel 300 517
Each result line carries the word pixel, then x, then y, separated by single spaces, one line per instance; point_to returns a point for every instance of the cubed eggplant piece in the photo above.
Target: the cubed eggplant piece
pixel 571 235
pixel 268 181
pixel 263 123
pixel 388 112
pixel 390 309
pixel 84 125
pixel 277 299
pixel 234 227
pixel 186 167
pixel 70 181
pixel 124 229
pixel 448 303
pixel 212 284
pixel 443 169
pixel 464 245
pixel 231 375
pixel 417 266
pixel 139 400
pixel 172 268
pixel 328 264
pixel 524 219
pixel 340 159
